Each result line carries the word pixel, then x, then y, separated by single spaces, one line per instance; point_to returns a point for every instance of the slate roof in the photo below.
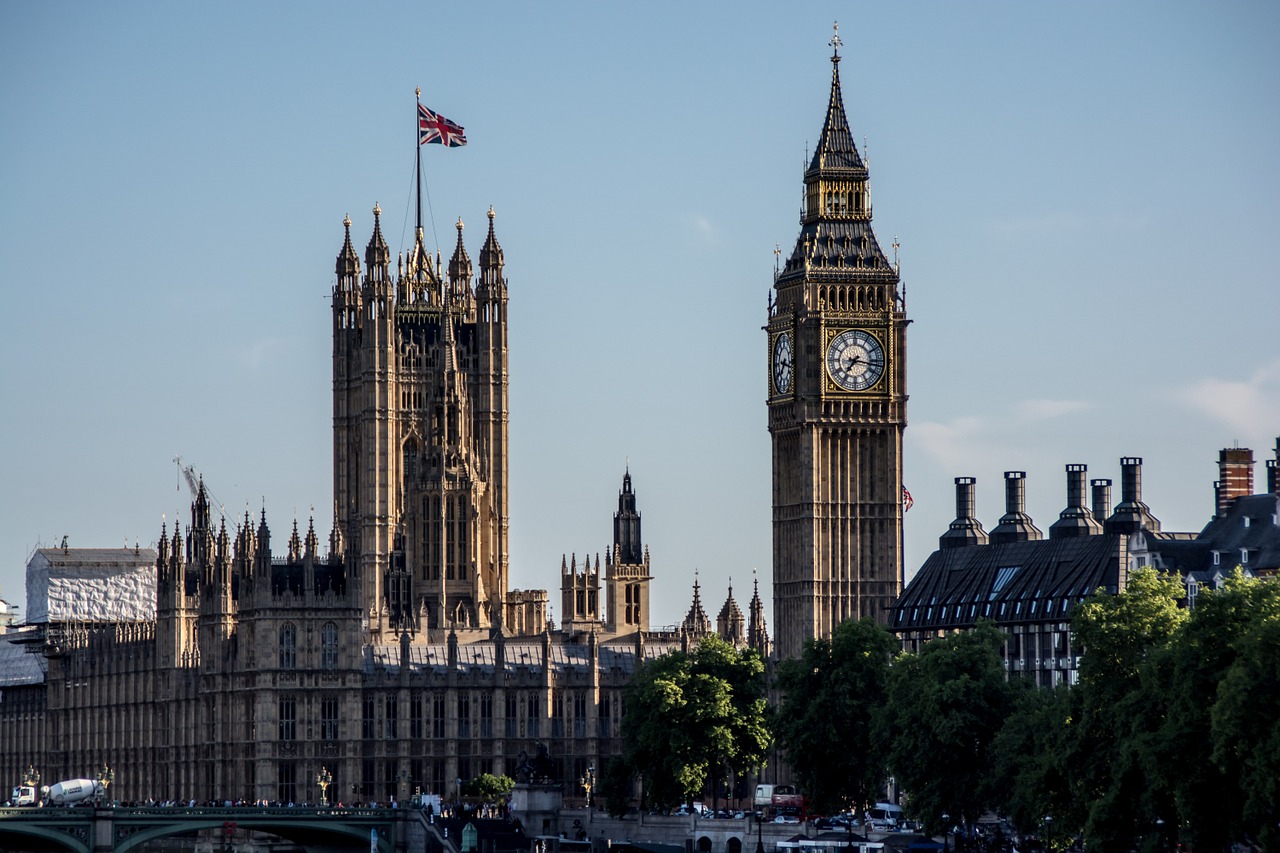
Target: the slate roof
pixel 1031 581
pixel 1229 533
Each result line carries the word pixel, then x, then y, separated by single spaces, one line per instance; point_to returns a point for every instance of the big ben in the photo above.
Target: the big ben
pixel 837 402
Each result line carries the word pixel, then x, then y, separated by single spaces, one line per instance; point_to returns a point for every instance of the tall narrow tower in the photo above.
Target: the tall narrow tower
pixel 420 433
pixel 627 575
pixel 837 402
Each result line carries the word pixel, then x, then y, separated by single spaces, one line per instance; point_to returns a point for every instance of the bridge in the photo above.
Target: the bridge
pixel 122 829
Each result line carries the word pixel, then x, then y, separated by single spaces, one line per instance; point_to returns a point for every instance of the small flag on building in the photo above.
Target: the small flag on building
pixel 433 127
pixel 907 502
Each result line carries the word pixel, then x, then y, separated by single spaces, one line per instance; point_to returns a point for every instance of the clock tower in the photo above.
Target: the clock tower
pixel 837 397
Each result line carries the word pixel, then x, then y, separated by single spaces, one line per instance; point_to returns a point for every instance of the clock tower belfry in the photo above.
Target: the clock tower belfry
pixel 837 400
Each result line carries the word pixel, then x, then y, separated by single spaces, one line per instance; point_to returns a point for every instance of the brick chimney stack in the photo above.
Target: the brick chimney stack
pixel 1235 476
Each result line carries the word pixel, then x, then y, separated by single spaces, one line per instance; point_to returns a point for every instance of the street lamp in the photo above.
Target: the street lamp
pixel 106 776
pixel 946 831
pixel 31 778
pixel 324 779
pixel 759 832
pixel 588 782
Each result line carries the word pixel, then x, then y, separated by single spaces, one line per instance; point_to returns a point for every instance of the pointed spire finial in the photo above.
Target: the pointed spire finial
pixel 835 42
pixel 377 210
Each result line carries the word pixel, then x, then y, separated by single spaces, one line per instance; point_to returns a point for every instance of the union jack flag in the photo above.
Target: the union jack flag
pixel 433 127
pixel 907 501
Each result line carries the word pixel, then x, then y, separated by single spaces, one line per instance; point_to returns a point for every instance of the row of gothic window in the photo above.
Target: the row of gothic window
pixel 289 646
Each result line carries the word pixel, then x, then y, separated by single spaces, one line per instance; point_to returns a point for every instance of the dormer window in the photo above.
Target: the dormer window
pixel 1217 558
pixel 1244 556
pixel 1246 521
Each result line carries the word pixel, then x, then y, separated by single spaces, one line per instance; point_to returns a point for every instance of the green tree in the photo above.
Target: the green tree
pixel 1030 776
pixel 1118 797
pixel 615 785
pixel 688 716
pixel 1188 673
pixel 490 788
pixel 945 706
pixel 1243 730
pixel 830 697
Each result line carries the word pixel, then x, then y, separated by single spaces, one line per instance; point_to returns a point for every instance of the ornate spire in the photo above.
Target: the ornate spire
pixel 835 229
pixel 460 264
pixel 626 525
pixel 836 149
pixel 377 257
pixel 312 541
pixel 491 253
pixel 295 544
pixel 696 624
pixel 757 630
pixel 337 549
pixel 730 624
pixel 348 265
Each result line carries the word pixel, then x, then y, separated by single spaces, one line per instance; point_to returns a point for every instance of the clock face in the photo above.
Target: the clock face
pixel 855 360
pixel 782 363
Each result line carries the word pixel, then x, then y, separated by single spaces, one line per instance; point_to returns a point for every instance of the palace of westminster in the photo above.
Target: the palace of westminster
pixel 393 653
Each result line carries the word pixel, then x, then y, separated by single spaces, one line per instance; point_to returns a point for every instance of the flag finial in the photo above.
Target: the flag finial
pixel 417 91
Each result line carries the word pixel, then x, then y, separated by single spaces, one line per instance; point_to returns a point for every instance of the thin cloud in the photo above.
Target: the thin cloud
pixel 703 228
pixel 1250 407
pixel 973 442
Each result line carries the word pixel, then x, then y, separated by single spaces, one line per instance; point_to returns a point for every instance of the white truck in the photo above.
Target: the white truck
pixel 73 791
pixel 23 795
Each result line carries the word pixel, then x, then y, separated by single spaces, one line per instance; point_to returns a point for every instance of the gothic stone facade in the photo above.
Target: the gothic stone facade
pixel 396 658
pixel 837 403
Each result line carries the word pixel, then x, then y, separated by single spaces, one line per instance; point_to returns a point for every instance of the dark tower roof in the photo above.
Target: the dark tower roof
pixel 836 151
pixel 626 526
pixel 836 224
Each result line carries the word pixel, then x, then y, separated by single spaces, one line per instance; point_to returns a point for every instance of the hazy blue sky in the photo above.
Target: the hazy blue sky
pixel 1085 194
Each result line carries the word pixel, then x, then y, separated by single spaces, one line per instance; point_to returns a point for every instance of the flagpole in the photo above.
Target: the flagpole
pixel 417 145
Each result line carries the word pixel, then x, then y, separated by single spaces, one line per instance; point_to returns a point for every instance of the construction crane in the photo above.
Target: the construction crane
pixel 193 483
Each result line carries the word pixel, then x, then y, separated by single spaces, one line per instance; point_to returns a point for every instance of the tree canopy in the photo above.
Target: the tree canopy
pixel 824 722
pixel 490 788
pixel 692 717
pixel 945 706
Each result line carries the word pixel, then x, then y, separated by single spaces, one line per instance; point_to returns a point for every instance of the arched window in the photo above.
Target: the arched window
pixel 329 646
pixel 288 646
